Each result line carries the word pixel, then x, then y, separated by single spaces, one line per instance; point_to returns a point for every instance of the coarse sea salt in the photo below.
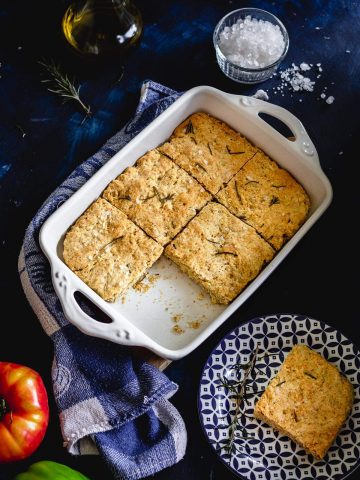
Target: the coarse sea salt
pixel 296 80
pixel 261 95
pixel 304 66
pixel 292 80
pixel 252 43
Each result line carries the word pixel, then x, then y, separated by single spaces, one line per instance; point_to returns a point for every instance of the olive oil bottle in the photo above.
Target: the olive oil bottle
pixel 102 28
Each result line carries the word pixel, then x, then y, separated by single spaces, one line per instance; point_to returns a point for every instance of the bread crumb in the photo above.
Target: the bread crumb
pixel 195 324
pixel 146 283
pixel 176 318
pixel 177 330
pixel 200 296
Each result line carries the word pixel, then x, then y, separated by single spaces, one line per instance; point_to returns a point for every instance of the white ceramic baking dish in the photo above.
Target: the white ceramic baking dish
pixel 146 319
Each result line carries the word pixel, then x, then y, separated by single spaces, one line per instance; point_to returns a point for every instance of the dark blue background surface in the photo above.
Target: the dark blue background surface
pixel 318 278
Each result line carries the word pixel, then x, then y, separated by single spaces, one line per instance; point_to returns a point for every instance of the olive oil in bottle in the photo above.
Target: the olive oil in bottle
pixel 102 28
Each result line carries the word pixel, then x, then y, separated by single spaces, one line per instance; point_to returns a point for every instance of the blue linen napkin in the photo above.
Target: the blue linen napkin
pixel 109 403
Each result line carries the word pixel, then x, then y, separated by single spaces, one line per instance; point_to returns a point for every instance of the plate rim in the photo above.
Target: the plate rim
pixel 278 315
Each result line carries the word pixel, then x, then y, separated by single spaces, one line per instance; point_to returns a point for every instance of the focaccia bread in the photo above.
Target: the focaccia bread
pixel 99 225
pixel 268 198
pixel 208 149
pixel 112 253
pixel 308 400
pixel 220 252
pixel 163 200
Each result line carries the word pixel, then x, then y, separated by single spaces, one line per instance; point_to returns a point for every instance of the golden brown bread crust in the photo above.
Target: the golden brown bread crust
pixel 219 252
pixel 122 263
pixel 268 198
pixel 208 149
pixel 157 195
pixel 108 251
pixel 308 400
pixel 99 225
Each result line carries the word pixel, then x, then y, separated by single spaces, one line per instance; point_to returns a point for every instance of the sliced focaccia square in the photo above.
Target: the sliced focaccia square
pixel 220 252
pixel 208 149
pixel 268 198
pixel 308 400
pixel 108 251
pixel 99 225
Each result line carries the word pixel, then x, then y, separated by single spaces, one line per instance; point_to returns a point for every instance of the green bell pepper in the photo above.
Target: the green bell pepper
pixel 47 470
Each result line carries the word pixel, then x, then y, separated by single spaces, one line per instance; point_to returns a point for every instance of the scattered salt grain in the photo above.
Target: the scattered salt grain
pixel 291 76
pixel 252 43
pixel 340 153
pixel 304 66
pixel 347 51
pixel 261 95
pixel 294 80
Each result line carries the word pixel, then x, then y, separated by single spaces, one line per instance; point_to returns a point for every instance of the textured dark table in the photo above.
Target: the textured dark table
pixel 318 278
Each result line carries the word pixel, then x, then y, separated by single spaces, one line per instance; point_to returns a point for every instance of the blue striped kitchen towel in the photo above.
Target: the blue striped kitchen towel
pixel 109 402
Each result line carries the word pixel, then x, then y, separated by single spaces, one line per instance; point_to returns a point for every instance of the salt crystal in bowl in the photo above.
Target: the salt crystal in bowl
pixel 250 44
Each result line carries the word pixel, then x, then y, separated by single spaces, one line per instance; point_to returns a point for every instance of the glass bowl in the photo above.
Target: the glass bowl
pixel 236 72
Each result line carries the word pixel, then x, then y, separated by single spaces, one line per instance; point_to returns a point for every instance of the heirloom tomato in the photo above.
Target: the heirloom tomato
pixel 24 411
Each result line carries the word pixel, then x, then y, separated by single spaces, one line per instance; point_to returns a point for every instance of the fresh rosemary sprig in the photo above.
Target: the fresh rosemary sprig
pixel 237 191
pixel 240 389
pixel 224 252
pixel 274 201
pixel 197 164
pixel 232 153
pixel 189 128
pixel 62 85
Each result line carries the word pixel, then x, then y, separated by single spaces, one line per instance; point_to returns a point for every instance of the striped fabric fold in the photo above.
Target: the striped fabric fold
pixel 109 403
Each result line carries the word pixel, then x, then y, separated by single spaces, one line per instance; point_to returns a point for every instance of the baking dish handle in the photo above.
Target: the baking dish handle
pixel 302 142
pixel 118 330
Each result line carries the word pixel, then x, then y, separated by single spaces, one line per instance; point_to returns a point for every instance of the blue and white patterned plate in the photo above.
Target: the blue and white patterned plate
pixel 267 455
